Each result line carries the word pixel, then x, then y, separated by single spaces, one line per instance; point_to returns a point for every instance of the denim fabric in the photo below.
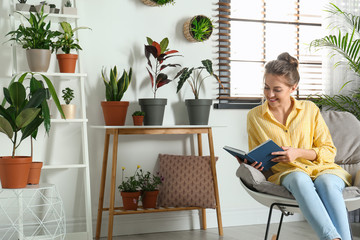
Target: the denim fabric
pixel 321 203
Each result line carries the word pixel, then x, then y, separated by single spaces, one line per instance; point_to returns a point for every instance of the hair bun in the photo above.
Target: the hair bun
pixel 286 57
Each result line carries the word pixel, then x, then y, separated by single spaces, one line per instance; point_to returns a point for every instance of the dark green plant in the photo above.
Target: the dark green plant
pixel 36 36
pixel 67 41
pixel 148 181
pixel 68 95
pixel 164 2
pixel 196 80
pixel 138 113
pixel 115 86
pixel 160 52
pixel 68 3
pixel 346 44
pixel 201 28
pixel 131 184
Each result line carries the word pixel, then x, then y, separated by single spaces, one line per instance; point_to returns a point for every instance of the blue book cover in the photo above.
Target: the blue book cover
pixel 261 153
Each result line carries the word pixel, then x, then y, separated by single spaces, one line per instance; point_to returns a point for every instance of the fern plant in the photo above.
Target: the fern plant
pixel 347 44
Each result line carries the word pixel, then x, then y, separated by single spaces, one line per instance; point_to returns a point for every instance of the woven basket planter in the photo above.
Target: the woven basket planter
pixel 150 3
pixel 187 29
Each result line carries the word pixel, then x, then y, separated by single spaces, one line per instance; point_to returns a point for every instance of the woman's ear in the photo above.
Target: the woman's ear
pixel 293 88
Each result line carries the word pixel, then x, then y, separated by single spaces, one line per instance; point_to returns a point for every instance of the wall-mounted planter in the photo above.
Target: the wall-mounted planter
pixel 154 3
pixel 198 29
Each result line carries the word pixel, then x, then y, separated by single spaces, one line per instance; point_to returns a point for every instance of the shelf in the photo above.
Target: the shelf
pixel 121 211
pixel 78 120
pixel 50 15
pixel 64 166
pixel 58 74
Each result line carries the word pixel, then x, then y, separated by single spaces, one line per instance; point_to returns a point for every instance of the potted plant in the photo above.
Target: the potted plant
pixel 68 109
pixel 129 190
pixel 149 184
pixel 43 6
pixel 113 108
pixel 153 107
pixel 69 9
pixel 22 6
pixel 67 42
pixel 198 109
pixel 155 3
pixel 198 28
pixel 138 118
pixel 25 113
pixel 37 39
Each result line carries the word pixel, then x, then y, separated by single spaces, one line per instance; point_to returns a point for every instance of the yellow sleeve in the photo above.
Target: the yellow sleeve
pixel 323 144
pixel 253 140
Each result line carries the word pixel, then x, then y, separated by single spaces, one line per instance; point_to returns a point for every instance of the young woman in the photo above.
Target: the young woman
pixel 306 166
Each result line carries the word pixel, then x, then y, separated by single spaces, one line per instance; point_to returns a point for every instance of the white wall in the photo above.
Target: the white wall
pixel 119 30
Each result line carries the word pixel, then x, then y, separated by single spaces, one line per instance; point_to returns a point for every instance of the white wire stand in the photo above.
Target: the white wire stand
pixel 35 212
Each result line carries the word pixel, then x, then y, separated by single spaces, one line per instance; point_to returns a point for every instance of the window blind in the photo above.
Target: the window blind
pixel 252 33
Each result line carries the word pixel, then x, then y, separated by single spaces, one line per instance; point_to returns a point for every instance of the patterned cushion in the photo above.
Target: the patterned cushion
pixel 187 181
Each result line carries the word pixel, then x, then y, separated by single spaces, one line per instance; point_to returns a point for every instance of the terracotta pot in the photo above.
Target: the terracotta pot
pixel 69 110
pixel 67 62
pixel 138 120
pixel 14 172
pixel 149 199
pixel 130 200
pixel 114 112
pixel 35 172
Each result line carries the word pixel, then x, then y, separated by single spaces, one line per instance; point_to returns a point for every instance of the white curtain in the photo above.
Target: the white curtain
pixel 336 77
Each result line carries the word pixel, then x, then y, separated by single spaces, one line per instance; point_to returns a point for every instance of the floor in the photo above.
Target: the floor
pixel 289 231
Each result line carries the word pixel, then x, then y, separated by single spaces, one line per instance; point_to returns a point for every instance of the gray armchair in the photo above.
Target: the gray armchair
pixel 345 132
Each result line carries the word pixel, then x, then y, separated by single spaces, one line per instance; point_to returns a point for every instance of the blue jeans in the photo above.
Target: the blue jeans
pixel 321 202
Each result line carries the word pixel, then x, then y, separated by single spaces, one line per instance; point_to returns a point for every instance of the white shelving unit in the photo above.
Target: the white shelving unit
pixel 80 76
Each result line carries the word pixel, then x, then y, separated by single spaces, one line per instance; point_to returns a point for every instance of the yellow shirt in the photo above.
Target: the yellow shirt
pixel 305 128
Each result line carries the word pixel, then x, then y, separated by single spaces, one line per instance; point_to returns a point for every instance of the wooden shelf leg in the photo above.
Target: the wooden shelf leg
pixel 112 189
pixel 102 186
pixel 213 169
pixel 203 218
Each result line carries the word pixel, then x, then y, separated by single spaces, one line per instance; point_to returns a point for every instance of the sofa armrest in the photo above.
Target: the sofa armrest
pixel 357 179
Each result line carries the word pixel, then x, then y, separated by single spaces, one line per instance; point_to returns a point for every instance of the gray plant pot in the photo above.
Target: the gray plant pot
pixel 23 7
pixel 154 109
pixel 38 59
pixel 198 111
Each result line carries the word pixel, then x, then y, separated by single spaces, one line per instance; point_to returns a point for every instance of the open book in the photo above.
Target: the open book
pixel 261 153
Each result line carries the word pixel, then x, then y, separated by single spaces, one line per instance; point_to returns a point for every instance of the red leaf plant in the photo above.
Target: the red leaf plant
pixel 160 53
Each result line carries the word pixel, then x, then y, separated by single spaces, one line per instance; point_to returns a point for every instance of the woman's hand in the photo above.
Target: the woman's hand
pixel 256 165
pixel 288 155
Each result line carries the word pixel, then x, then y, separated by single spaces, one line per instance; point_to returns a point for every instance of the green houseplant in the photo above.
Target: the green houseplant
pixel 149 184
pixel 347 45
pixel 129 189
pixel 198 29
pixel 37 39
pixel 155 3
pixel 20 120
pixel 67 42
pixel 198 109
pixel 138 118
pixel 115 86
pixel 68 109
pixel 156 54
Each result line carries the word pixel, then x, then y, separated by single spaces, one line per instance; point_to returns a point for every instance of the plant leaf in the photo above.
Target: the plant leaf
pixel 6 127
pixel 26 116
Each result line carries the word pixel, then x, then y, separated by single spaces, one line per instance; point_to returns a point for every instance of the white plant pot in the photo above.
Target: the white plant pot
pixel 69 110
pixel 23 7
pixel 69 10
pixel 46 8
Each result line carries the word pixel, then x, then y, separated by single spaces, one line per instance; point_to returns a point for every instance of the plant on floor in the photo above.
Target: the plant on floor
pixel 68 95
pixel 115 85
pixel 195 74
pixel 347 45
pixel 160 52
pixel 130 184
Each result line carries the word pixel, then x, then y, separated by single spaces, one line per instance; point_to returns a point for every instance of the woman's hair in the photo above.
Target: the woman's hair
pixel 284 65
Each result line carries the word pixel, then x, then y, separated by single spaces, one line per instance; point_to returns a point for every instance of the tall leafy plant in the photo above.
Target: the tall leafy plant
pixel 347 44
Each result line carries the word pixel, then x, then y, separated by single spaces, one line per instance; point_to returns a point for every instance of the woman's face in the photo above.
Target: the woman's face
pixel 276 91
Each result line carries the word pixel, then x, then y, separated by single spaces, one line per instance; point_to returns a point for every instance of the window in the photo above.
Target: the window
pixel 254 32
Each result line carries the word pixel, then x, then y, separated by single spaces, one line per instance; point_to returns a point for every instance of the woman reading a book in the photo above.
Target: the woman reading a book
pixel 306 166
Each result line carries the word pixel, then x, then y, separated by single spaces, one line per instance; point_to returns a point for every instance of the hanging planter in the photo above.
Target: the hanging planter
pixel 198 28
pixel 156 3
